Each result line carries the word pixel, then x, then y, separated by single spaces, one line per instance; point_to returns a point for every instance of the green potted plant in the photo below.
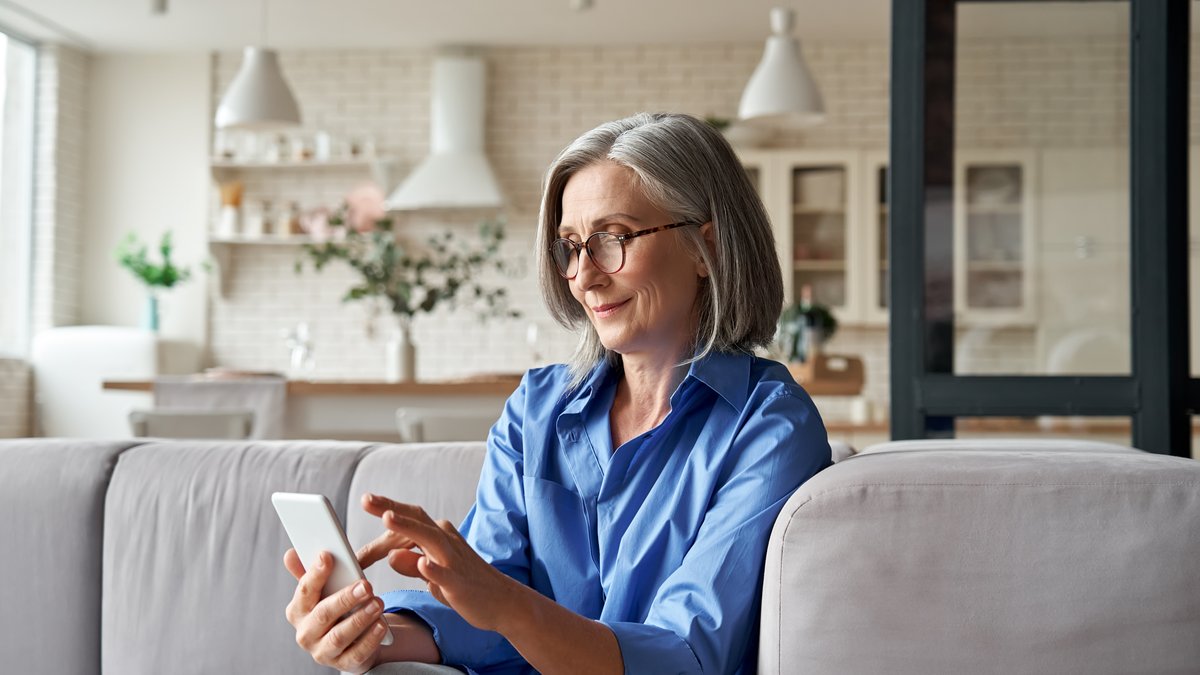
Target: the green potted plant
pixel 805 327
pixel 133 255
pixel 407 279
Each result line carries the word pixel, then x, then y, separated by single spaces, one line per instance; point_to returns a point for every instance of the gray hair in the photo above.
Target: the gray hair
pixel 686 168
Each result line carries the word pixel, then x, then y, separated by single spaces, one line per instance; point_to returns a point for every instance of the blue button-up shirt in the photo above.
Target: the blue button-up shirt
pixel 662 541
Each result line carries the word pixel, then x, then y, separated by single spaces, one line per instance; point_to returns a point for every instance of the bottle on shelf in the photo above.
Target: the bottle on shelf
pixel 293 226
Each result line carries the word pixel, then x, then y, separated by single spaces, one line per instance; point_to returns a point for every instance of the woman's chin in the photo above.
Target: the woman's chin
pixel 613 342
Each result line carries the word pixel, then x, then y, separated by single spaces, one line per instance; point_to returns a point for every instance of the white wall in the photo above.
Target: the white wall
pixel 147 121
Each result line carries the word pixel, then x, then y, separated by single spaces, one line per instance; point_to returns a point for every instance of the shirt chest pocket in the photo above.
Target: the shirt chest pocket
pixel 560 541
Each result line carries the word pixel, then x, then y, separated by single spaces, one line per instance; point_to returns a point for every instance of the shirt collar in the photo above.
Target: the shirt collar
pixel 727 374
pixel 588 389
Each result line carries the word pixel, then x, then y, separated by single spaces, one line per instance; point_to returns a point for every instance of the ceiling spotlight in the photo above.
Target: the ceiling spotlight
pixel 158 6
pixel 581 5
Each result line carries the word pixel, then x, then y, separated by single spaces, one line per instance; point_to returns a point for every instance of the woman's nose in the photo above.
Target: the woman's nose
pixel 586 272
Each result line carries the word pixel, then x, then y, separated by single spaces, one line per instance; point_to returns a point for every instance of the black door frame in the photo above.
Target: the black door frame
pixel 926 395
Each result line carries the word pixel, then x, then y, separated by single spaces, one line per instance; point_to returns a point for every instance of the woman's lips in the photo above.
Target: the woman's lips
pixel 605 311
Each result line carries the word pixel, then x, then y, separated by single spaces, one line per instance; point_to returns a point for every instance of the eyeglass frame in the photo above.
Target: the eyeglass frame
pixel 579 246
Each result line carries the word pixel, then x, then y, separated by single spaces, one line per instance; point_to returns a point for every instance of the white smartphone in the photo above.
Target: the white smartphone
pixel 313 526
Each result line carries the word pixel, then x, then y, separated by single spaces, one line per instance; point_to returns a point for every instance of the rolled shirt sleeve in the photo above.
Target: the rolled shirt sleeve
pixel 496 528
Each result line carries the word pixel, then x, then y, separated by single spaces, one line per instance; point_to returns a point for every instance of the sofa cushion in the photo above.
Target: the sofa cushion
pixel 439 477
pixel 51 527
pixel 990 561
pixel 193 554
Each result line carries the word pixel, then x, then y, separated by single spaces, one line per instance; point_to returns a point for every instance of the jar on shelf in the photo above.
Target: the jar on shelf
pixel 269 218
pixel 301 148
pixel 293 220
pixel 322 146
pixel 252 221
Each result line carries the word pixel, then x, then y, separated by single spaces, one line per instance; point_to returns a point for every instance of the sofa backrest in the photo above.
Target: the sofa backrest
pixel 439 477
pixel 975 557
pixel 51 534
pixel 193 578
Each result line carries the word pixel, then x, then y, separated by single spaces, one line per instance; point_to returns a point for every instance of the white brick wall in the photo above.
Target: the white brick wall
pixel 58 216
pixel 15 393
pixel 1012 93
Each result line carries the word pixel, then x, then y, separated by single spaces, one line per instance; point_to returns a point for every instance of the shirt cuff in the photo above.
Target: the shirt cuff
pixel 652 649
pixel 458 641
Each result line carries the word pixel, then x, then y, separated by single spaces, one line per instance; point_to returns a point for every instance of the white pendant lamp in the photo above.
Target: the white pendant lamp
pixel 782 90
pixel 259 97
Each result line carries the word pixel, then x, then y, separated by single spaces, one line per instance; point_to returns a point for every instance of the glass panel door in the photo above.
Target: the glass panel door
pixel 1041 189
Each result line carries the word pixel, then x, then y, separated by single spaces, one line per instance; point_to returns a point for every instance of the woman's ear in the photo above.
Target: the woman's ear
pixel 706 231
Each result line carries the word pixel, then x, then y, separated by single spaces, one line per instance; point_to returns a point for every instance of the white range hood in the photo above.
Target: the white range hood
pixel 456 174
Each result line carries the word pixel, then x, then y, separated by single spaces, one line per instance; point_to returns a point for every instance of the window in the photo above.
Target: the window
pixel 17 74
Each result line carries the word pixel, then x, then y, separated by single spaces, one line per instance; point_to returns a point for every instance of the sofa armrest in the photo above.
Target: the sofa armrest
pixel 1021 558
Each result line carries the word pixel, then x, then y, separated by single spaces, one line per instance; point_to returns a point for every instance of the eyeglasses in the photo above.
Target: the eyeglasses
pixel 605 249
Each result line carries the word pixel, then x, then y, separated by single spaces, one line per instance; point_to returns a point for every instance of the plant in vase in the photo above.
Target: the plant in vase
pixel 403 278
pixel 805 327
pixel 133 255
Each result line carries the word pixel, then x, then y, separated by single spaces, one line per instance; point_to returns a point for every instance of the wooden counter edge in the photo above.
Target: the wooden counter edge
pixel 502 387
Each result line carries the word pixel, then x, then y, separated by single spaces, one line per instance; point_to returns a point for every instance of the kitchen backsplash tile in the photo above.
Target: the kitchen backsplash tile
pixel 16 388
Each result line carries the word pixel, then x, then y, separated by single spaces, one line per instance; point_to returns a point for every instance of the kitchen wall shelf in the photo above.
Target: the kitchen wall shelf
pixel 223 164
pixel 270 186
pixel 265 240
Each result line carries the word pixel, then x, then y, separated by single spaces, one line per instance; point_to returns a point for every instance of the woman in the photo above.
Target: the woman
pixel 624 508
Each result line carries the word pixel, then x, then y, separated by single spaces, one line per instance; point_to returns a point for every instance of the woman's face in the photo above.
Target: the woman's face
pixel 645 308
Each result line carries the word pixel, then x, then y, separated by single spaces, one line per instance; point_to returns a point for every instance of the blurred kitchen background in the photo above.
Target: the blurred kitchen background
pixel 122 139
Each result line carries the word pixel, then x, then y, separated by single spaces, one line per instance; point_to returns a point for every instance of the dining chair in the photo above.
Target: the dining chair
pixel 233 424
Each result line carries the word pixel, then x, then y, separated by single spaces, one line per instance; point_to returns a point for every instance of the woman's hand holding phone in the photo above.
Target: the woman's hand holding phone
pixel 323 629
pixel 346 629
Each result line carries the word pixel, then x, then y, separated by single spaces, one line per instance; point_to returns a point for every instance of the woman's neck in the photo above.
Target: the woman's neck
pixel 643 396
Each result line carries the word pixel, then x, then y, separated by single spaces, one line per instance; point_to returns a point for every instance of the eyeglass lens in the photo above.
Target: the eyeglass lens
pixel 605 250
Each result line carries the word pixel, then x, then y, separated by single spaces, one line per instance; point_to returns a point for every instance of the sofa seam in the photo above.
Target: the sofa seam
pixel 779 582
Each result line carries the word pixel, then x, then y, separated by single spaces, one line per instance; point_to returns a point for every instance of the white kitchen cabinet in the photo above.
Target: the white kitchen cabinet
pixel 829 210
pixel 813 200
pixel 995 250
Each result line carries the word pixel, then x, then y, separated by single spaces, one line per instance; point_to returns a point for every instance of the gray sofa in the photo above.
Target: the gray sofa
pixel 131 557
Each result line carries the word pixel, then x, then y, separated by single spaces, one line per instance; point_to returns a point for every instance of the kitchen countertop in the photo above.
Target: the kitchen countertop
pixel 492 385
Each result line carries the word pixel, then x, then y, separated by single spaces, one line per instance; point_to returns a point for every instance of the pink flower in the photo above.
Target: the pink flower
pixel 316 223
pixel 365 206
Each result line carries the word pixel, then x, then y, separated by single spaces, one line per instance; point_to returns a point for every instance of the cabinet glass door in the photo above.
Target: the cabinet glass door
pixel 819 228
pixel 994 231
pixel 995 196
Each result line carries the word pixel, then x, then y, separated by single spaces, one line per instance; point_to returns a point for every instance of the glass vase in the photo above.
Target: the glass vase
pixel 400 354
pixel 150 312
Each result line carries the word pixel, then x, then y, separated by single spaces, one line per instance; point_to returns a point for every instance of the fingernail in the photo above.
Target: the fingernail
pixel 360 590
pixel 377 629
